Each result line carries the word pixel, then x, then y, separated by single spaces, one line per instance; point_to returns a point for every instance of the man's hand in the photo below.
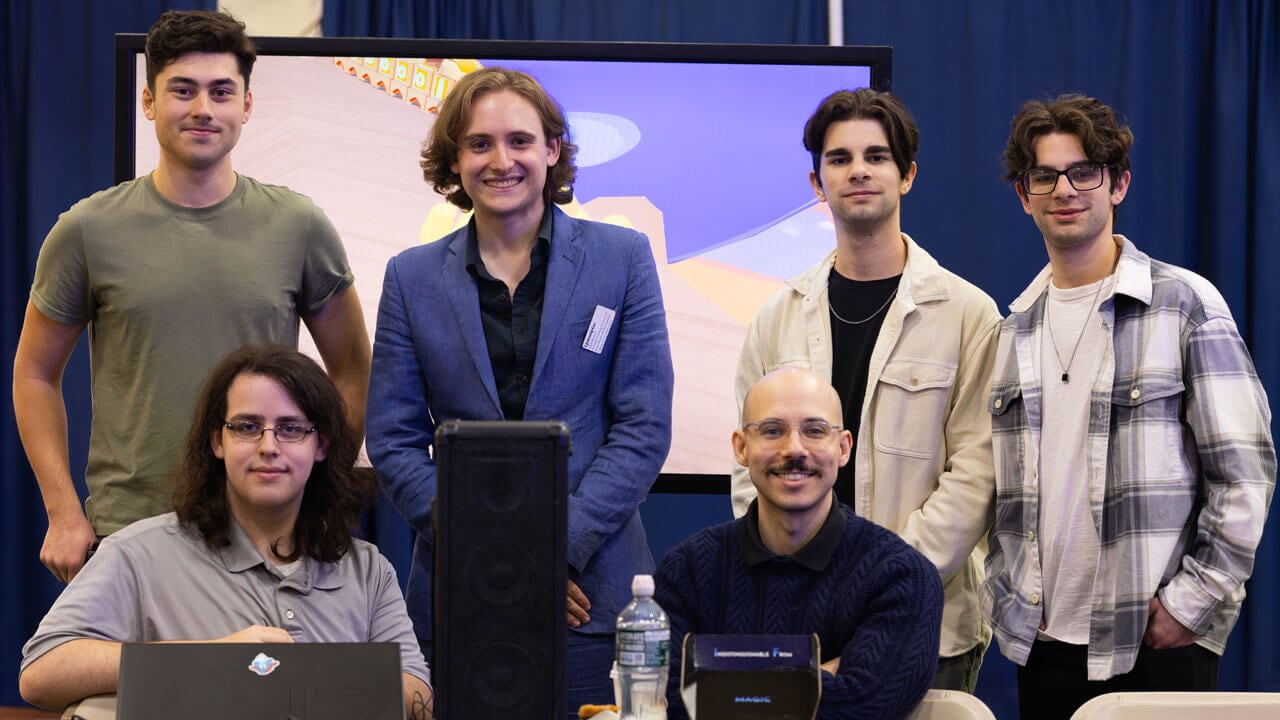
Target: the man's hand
pixel 832 666
pixel 1163 631
pixel 257 634
pixel 44 347
pixel 66 543
pixel 578 606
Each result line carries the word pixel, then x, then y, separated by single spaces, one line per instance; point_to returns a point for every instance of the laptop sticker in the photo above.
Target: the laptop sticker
pixel 264 664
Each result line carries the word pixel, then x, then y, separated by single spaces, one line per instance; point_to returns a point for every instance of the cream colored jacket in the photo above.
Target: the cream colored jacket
pixel 923 459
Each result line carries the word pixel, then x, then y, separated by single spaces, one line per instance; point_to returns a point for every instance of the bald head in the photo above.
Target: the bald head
pixel 788 447
pixel 792 384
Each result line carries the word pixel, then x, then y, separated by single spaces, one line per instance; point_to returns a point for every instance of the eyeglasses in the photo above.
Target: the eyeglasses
pixel 812 432
pixel 1043 180
pixel 249 430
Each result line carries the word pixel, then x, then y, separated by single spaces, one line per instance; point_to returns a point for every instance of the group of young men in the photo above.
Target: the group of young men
pixel 1087 478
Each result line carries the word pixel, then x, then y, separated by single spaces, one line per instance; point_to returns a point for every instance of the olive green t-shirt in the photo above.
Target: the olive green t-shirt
pixel 168 291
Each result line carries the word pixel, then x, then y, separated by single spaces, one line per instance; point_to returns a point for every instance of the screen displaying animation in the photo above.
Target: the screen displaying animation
pixel 703 155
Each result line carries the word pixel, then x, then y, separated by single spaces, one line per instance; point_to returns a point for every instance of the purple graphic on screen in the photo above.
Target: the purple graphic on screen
pixel 722 159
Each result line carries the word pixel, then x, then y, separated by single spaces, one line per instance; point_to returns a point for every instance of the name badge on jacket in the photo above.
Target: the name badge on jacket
pixel 598 330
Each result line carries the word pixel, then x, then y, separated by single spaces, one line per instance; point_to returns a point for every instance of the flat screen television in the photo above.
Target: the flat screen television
pixel 698 146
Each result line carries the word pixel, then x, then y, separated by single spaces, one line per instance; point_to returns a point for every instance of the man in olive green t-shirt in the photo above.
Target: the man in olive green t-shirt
pixel 169 273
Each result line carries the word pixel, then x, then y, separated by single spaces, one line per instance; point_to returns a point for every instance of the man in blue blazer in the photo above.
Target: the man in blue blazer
pixel 526 313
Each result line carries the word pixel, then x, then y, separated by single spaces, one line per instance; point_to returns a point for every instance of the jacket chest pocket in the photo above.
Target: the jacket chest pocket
pixel 1146 432
pixel 911 406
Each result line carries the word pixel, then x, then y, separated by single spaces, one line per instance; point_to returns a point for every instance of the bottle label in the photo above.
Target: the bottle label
pixel 644 648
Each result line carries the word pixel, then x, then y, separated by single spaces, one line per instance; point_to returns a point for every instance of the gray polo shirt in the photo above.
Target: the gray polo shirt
pixel 156 580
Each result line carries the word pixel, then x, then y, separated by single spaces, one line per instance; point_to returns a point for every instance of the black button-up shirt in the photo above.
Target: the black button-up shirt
pixel 511 323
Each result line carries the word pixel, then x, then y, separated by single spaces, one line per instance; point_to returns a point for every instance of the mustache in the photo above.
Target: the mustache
pixel 793 465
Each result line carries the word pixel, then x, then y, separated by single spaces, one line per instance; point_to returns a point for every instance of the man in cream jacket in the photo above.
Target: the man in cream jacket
pixel 908 346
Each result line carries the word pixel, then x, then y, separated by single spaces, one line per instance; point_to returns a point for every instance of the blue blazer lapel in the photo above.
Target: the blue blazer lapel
pixel 563 270
pixel 461 290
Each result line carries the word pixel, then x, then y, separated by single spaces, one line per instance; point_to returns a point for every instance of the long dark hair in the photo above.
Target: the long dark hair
pixel 336 493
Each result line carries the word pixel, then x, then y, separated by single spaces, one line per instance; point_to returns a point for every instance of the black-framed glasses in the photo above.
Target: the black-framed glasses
pixel 1082 176
pixel 287 432
pixel 812 432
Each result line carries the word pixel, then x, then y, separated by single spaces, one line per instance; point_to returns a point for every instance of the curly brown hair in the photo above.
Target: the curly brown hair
pixel 1106 139
pixel 336 493
pixel 865 104
pixel 179 32
pixel 441 147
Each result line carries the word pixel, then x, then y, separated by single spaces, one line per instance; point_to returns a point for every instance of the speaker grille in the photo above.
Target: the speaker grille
pixel 500 570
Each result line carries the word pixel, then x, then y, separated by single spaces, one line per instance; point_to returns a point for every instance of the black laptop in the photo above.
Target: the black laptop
pixel 272 681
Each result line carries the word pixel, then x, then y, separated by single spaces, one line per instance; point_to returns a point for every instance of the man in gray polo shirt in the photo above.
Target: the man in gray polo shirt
pixel 260 548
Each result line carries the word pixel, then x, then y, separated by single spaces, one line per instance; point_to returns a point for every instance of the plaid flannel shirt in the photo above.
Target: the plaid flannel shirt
pixel 1180 468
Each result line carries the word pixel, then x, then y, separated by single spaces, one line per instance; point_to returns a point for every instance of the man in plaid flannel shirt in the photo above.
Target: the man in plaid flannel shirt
pixel 1133 453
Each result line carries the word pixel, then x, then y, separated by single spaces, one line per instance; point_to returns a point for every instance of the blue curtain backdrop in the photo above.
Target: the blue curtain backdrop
pixel 55 148
pixel 1199 82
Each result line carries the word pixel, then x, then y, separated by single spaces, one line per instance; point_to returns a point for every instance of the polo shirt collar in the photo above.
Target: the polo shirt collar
pixel 241 555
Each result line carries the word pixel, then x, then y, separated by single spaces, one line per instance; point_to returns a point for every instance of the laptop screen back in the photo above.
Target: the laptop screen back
pixel 302 681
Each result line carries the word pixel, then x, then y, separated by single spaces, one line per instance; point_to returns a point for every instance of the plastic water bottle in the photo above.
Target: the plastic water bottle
pixel 644 647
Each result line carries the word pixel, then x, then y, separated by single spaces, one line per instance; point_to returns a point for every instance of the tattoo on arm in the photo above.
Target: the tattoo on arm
pixel 419 707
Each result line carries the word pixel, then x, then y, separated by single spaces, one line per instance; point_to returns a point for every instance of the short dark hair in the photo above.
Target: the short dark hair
pixel 1104 136
pixel 865 104
pixel 441 147
pixel 179 32
pixel 336 493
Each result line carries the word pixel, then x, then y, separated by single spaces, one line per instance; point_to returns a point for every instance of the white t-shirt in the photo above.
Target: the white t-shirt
pixel 1072 346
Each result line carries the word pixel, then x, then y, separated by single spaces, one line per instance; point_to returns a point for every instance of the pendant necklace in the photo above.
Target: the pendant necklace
pixel 1066 369
pixel 868 318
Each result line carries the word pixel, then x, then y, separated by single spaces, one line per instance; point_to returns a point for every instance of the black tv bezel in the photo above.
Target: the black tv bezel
pixel 878 58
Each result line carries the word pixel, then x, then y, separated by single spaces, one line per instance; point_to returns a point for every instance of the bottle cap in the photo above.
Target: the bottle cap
pixel 642 585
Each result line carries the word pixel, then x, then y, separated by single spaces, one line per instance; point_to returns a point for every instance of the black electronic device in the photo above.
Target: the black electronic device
pixel 500 570
pixel 304 681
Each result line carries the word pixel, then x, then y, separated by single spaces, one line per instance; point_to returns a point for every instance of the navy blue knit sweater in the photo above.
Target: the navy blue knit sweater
pixel 873 601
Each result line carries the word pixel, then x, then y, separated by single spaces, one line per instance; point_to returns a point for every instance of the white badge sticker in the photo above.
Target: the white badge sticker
pixel 598 330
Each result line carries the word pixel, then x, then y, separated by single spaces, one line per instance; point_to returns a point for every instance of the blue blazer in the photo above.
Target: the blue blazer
pixel 431 364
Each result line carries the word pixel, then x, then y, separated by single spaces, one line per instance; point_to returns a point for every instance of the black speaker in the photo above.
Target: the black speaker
pixel 501 524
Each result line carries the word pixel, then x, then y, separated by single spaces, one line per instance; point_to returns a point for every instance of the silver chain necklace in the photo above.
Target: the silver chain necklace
pixel 868 318
pixel 1066 369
